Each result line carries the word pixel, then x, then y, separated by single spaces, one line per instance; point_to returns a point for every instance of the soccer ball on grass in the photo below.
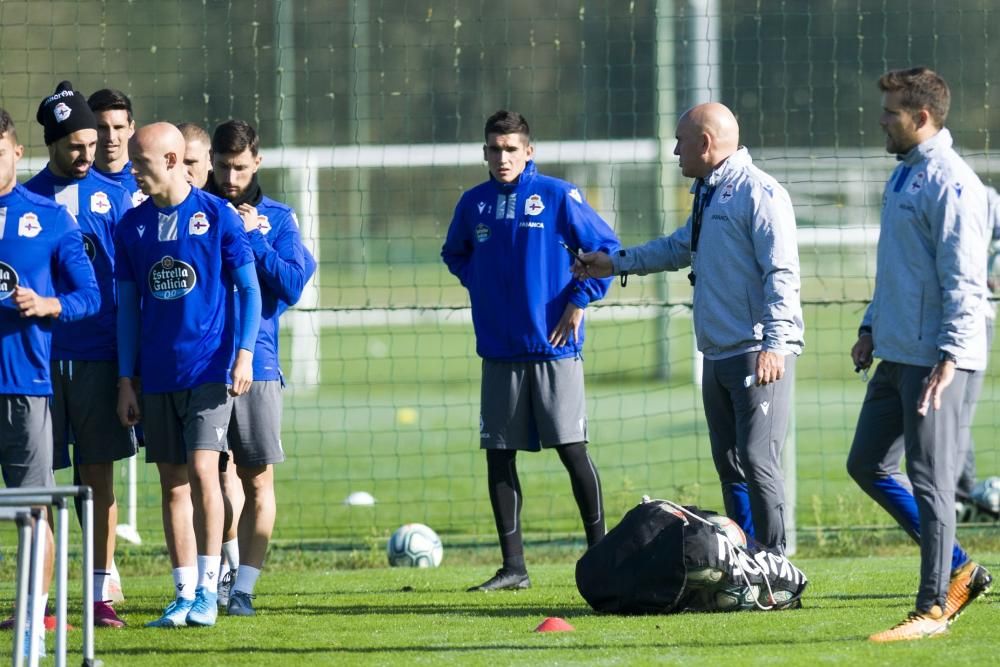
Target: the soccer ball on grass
pixel 414 545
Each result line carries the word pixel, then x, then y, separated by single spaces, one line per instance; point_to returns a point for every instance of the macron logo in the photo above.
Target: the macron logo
pixel 141 229
pixel 764 407
pixel 219 432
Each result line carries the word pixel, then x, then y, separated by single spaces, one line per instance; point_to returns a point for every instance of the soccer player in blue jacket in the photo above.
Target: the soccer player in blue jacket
pixel 84 353
pixel 255 429
pixel 506 245
pixel 45 277
pixel 180 255
pixel 115 126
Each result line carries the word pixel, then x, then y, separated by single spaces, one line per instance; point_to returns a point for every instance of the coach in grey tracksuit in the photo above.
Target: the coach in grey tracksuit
pixel 926 322
pixel 740 244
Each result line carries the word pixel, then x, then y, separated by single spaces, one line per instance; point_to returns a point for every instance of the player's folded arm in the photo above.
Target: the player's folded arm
pixel 281 264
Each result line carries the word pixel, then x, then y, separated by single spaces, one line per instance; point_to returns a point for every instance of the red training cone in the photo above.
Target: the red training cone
pixel 554 624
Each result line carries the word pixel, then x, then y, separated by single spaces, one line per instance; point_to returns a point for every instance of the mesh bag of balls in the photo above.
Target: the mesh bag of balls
pixel 666 558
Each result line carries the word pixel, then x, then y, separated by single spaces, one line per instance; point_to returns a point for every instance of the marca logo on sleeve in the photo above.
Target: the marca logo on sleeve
pixel 28 226
pixel 99 202
pixel 171 279
pixel 8 280
pixel 198 224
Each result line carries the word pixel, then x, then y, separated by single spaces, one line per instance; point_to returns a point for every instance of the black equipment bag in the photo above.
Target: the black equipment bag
pixel 664 558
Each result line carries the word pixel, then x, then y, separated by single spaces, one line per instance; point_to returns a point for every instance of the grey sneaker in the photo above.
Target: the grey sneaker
pixel 226 587
pixel 241 604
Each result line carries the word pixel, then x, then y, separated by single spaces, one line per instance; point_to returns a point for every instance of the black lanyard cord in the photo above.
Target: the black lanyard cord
pixel 702 198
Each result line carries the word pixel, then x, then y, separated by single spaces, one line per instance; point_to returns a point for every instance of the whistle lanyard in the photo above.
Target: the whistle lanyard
pixel 702 198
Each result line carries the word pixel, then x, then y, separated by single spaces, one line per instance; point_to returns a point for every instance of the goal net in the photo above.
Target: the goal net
pixel 371 118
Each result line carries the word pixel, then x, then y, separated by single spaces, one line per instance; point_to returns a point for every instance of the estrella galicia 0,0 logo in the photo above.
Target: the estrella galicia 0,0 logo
pixel 171 279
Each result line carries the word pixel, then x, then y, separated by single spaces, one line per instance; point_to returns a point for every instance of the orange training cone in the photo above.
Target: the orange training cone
pixel 554 624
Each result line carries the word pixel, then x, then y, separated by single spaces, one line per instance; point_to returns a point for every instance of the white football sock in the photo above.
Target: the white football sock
pixel 246 579
pixel 185 581
pixel 208 572
pixel 231 554
pixel 101 578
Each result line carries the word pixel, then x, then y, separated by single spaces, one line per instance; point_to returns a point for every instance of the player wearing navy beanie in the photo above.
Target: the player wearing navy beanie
pixel 84 355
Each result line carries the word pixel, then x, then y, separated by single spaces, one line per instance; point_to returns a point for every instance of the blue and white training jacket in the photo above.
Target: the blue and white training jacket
pixel 40 248
pixel 504 246
pixel 98 204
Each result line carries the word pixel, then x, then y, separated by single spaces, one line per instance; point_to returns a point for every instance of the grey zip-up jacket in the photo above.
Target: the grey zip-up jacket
pixel 930 280
pixel 746 293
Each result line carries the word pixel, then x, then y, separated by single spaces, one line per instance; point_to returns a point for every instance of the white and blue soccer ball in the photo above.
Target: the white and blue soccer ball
pixel 414 545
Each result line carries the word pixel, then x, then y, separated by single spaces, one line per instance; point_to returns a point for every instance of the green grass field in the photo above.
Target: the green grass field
pixel 323 616
pixel 396 414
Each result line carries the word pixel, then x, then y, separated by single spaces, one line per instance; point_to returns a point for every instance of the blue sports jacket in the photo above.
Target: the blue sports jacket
pixel 504 246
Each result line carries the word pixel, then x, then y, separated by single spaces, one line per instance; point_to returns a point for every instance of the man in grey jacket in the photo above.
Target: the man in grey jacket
pixel 926 322
pixel 740 244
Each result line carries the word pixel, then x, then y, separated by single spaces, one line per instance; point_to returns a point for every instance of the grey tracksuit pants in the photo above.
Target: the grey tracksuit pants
pixel 747 426
pixel 931 446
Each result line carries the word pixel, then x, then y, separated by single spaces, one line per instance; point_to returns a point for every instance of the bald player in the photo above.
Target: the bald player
pixel 198 162
pixel 181 252
pixel 747 313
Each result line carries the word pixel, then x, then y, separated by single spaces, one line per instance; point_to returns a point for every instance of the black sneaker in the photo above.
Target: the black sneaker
pixel 504 580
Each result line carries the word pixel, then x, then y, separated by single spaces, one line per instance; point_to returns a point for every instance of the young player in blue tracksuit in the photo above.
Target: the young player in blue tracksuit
pixel 507 244
pixel 283 266
pixel 504 245
pixel 45 276
pixel 84 353
pixel 180 255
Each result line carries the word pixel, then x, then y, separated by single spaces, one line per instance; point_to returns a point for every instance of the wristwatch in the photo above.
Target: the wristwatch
pixel 947 356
